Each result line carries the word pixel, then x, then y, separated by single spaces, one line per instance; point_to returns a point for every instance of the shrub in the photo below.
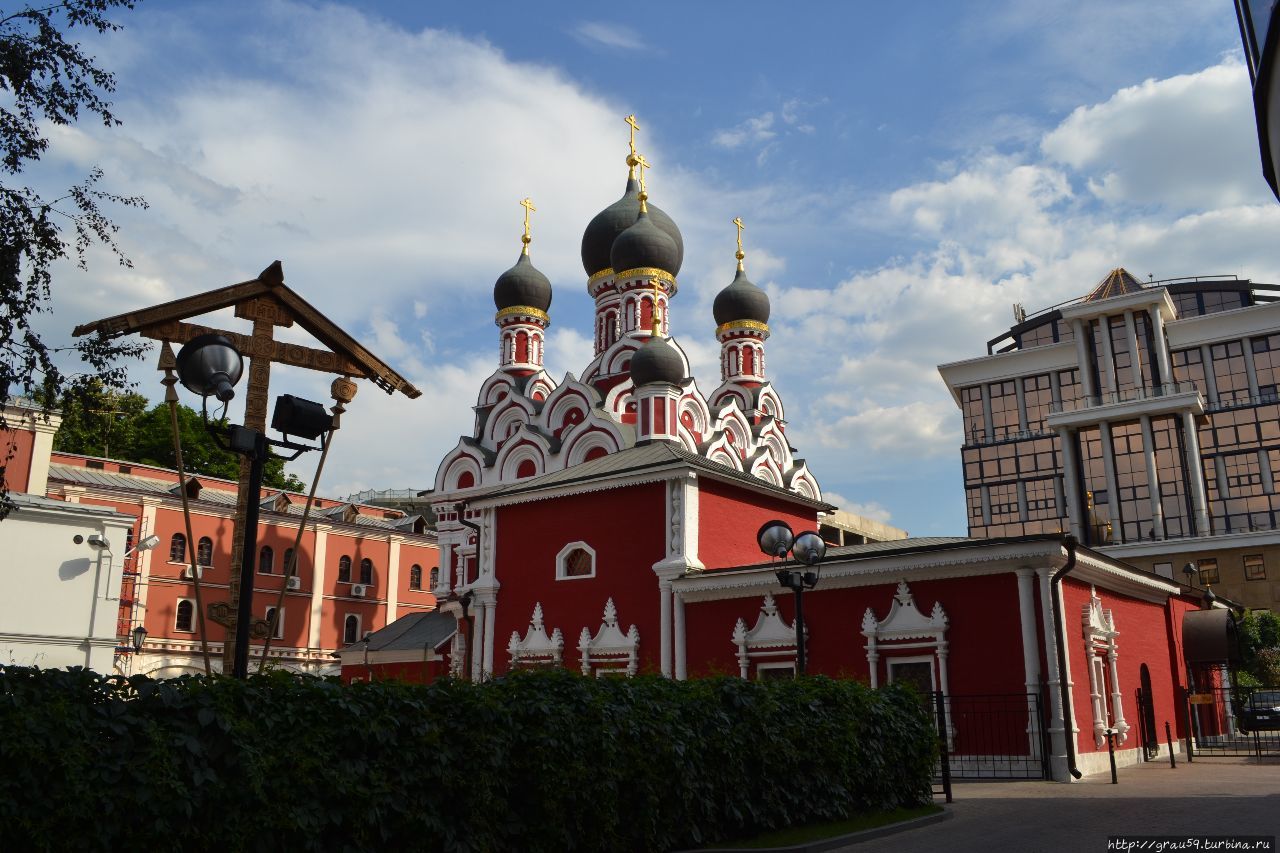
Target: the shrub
pixel 533 761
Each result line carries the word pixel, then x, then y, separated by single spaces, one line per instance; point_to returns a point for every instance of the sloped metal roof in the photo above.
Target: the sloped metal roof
pixel 416 631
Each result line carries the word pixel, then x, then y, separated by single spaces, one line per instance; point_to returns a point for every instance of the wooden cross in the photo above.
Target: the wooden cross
pixel 527 204
pixel 631 120
pixel 737 220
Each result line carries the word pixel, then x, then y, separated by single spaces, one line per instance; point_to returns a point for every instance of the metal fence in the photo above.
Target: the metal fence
pixel 991 736
pixel 1240 721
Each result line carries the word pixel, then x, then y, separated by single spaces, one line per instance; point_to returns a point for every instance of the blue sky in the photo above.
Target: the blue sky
pixel 906 172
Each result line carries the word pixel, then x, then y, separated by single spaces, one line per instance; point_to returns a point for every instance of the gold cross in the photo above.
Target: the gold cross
pixel 737 220
pixel 527 204
pixel 631 120
pixel 643 164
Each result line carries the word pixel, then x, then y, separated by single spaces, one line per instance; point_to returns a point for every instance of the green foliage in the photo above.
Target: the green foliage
pixel 1259 633
pixel 98 421
pixel 45 80
pixel 536 761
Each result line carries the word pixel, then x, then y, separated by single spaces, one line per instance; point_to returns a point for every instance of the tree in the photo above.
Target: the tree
pixel 46 77
pixel 1260 646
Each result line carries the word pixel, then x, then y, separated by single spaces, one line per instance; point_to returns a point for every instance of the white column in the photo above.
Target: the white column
pixel 1210 381
pixel 1108 354
pixel 317 586
pixel 664 643
pixel 41 447
pixel 1117 698
pixel 682 671
pixel 1030 649
pixel 1057 724
pixel 1195 473
pixel 479 613
pixel 1160 345
pixel 1135 356
pixel 873 661
pixel 1022 404
pixel 143 560
pixel 1153 479
pixel 489 622
pixel 1250 370
pixel 1082 356
pixel 1113 491
pixel 1070 475
pixel 393 577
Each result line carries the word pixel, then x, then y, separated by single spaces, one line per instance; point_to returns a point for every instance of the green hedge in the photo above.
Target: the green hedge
pixel 534 761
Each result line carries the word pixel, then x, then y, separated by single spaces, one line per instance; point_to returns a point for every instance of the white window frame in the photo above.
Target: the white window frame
pixel 565 552
pixel 279 634
pixel 789 666
pixel 891 660
pixel 194 616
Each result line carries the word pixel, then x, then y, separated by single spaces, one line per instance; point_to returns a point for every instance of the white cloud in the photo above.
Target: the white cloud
pixel 869 509
pixel 613 36
pixel 753 130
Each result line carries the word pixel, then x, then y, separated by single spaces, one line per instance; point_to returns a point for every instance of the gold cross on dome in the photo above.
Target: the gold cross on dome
pixel 643 164
pixel 527 204
pixel 631 120
pixel 737 220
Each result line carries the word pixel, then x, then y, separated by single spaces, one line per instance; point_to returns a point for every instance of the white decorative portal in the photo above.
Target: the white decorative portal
pixel 537 648
pixel 1100 643
pixel 906 628
pixel 610 651
pixel 771 643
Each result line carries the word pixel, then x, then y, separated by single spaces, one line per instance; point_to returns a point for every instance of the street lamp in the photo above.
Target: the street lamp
pixel 776 540
pixel 210 366
pixel 139 637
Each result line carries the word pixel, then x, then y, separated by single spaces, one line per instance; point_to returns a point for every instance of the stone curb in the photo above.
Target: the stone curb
pixel 851 838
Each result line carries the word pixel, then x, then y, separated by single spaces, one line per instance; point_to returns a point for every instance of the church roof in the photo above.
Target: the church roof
pixel 638 460
pixel 1117 283
pixel 415 631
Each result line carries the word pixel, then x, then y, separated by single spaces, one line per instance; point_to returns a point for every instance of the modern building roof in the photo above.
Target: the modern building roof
pixel 416 631
pixel 1117 283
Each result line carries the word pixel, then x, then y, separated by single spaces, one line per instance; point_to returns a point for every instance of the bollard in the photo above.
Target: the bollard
pixel 1168 737
pixel 1111 752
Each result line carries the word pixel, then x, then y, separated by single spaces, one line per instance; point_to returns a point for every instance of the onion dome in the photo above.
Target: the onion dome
pixel 644 246
pixel 741 300
pixel 657 361
pixel 597 240
pixel 522 285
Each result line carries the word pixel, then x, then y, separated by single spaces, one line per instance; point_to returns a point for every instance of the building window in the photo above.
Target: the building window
pixel 278 634
pixel 415 577
pixel 288 561
pixel 1254 568
pixel 178 548
pixel 768 671
pixel 1208 572
pixel 204 551
pixel 1004 410
pixel 344 570
pixel 366 571
pixel 266 560
pixel 576 560
pixel 435 578
pixel 350 629
pixel 184 616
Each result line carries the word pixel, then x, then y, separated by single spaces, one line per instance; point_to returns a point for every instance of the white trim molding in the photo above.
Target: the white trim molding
pixel 609 651
pixel 536 648
pixel 561 574
pixel 771 638
pixel 1099 628
pixel 905 627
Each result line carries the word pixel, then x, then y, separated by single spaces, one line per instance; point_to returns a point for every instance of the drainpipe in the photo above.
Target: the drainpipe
pixel 1055 594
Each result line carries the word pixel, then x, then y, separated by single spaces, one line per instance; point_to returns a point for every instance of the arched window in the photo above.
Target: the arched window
pixel 527 468
pixel 522 347
pixel 344 570
pixel 185 615
pixel 366 571
pixel 748 361
pixel 350 629
pixel 466 480
pixel 204 551
pixel 435 578
pixel 266 560
pixel 415 577
pixel 288 561
pixel 178 548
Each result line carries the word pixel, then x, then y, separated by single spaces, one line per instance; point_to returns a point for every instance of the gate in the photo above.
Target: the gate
pixel 1241 721
pixel 992 736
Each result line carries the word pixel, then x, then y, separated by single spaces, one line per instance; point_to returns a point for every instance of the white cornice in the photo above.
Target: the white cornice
pixel 1007 365
pixel 1190 401
pixel 1224 325
pixel 1138 300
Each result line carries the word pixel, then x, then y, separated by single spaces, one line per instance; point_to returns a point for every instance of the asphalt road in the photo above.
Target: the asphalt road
pixel 1218 797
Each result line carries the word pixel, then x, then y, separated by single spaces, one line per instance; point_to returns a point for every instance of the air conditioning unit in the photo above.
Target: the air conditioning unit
pixel 294 582
pixel 186 573
pixel 358 590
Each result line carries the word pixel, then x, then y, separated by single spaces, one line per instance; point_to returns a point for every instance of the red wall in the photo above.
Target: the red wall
pixel 729 517
pixel 624 526
pixel 15 446
pixel 1143 638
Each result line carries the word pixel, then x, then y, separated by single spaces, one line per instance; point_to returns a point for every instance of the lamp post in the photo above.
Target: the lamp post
pixel 210 366
pixel 776 540
pixel 139 637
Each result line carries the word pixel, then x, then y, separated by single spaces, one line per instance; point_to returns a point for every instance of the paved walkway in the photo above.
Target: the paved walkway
pixel 1220 796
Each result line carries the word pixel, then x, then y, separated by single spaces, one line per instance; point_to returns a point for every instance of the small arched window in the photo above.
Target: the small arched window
pixel 178 548
pixel 204 551
pixel 435 578
pixel 350 629
pixel 466 480
pixel 366 571
pixel 525 469
pixel 185 616
pixel 344 569
pixel 266 560
pixel 415 577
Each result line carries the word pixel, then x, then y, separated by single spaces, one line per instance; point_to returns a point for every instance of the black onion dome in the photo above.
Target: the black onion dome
pixel 522 285
pixel 741 300
pixel 597 240
pixel 644 245
pixel 657 361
